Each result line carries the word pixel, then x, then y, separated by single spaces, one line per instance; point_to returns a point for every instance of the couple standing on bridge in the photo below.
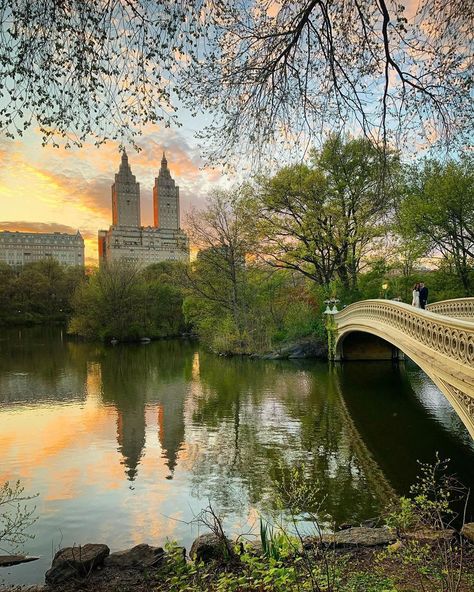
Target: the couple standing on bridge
pixel 420 295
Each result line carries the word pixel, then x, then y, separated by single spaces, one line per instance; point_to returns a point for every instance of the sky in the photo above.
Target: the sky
pixel 46 189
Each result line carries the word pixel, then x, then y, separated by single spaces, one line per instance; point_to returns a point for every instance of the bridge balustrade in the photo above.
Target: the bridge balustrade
pixel 447 335
pixel 460 308
pixel 442 345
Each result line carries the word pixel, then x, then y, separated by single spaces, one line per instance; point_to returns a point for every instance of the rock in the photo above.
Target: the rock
pixel 357 536
pixel 74 562
pixel 9 560
pixel 137 557
pixel 307 347
pixel 430 535
pixel 209 547
pixel 468 531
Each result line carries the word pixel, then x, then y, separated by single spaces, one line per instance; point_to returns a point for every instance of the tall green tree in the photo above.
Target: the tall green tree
pixel 322 218
pixel 236 303
pixel 438 208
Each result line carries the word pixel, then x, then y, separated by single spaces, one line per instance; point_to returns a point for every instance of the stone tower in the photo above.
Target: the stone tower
pixel 125 196
pixel 165 199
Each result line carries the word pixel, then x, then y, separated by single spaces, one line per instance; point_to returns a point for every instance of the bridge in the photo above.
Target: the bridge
pixel 440 340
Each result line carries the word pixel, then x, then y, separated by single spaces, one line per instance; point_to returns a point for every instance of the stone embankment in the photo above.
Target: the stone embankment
pixel 93 567
pixel 308 347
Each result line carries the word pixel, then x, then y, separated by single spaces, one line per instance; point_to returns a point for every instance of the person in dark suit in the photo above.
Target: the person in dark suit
pixel 423 295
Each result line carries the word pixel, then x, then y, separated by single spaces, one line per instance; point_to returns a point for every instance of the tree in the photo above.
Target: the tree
pixel 39 291
pixel 322 218
pixel 438 208
pixel 285 74
pixel 15 516
pixel 7 277
pixel 123 302
pixel 84 69
pixel 224 237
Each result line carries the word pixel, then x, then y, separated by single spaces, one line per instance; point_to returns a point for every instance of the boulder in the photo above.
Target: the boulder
pixel 468 531
pixel 9 560
pixel 137 557
pixel 357 536
pixel 209 547
pixel 430 535
pixel 76 562
pixel 306 347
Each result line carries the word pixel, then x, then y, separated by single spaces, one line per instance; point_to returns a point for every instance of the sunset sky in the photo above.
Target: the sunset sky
pixel 46 189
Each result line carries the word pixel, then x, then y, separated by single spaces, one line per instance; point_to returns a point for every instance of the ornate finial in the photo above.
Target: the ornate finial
pixel 124 155
pixel 164 162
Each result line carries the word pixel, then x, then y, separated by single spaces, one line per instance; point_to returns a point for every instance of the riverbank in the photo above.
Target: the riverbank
pixel 356 559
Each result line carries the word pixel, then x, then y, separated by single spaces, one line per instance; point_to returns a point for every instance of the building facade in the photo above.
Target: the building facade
pixel 126 239
pixel 19 248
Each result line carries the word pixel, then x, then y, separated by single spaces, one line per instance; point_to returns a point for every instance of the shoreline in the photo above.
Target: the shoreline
pixel 359 553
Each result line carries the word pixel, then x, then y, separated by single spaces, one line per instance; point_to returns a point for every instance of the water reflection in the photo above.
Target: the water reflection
pixel 263 419
pixel 134 377
pixel 120 441
pixel 403 418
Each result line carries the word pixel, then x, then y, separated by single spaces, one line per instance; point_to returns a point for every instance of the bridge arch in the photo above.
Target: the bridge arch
pixel 442 346
pixel 361 344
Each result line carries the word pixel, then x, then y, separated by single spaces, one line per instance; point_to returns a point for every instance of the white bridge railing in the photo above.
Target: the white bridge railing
pixel 461 308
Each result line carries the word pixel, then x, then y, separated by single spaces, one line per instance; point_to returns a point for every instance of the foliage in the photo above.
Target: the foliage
pixel 289 563
pixel 218 277
pixel 322 219
pixel 15 516
pixel 438 208
pixel 437 502
pixel 120 301
pixel 275 542
pixel 284 73
pixel 80 70
pixel 236 304
pixel 38 292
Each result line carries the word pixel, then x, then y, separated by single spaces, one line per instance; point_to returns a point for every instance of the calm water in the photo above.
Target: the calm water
pixel 127 444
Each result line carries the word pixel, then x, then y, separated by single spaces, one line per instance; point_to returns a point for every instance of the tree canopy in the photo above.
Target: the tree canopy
pixel 268 71
pixel 322 218
pixel 438 211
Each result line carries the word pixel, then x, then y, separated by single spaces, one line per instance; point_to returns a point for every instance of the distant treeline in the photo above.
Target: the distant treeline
pixel 39 292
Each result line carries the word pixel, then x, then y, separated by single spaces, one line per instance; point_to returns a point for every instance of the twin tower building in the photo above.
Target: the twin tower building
pixel 127 239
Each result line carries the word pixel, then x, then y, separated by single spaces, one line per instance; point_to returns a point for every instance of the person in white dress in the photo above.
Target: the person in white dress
pixel 416 296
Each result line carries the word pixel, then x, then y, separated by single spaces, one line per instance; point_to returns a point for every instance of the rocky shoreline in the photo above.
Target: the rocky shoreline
pixel 144 567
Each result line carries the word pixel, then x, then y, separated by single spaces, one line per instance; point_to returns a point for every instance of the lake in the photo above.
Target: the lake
pixel 127 444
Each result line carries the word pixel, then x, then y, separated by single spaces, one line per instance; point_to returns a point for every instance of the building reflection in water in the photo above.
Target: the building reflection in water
pixel 135 378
